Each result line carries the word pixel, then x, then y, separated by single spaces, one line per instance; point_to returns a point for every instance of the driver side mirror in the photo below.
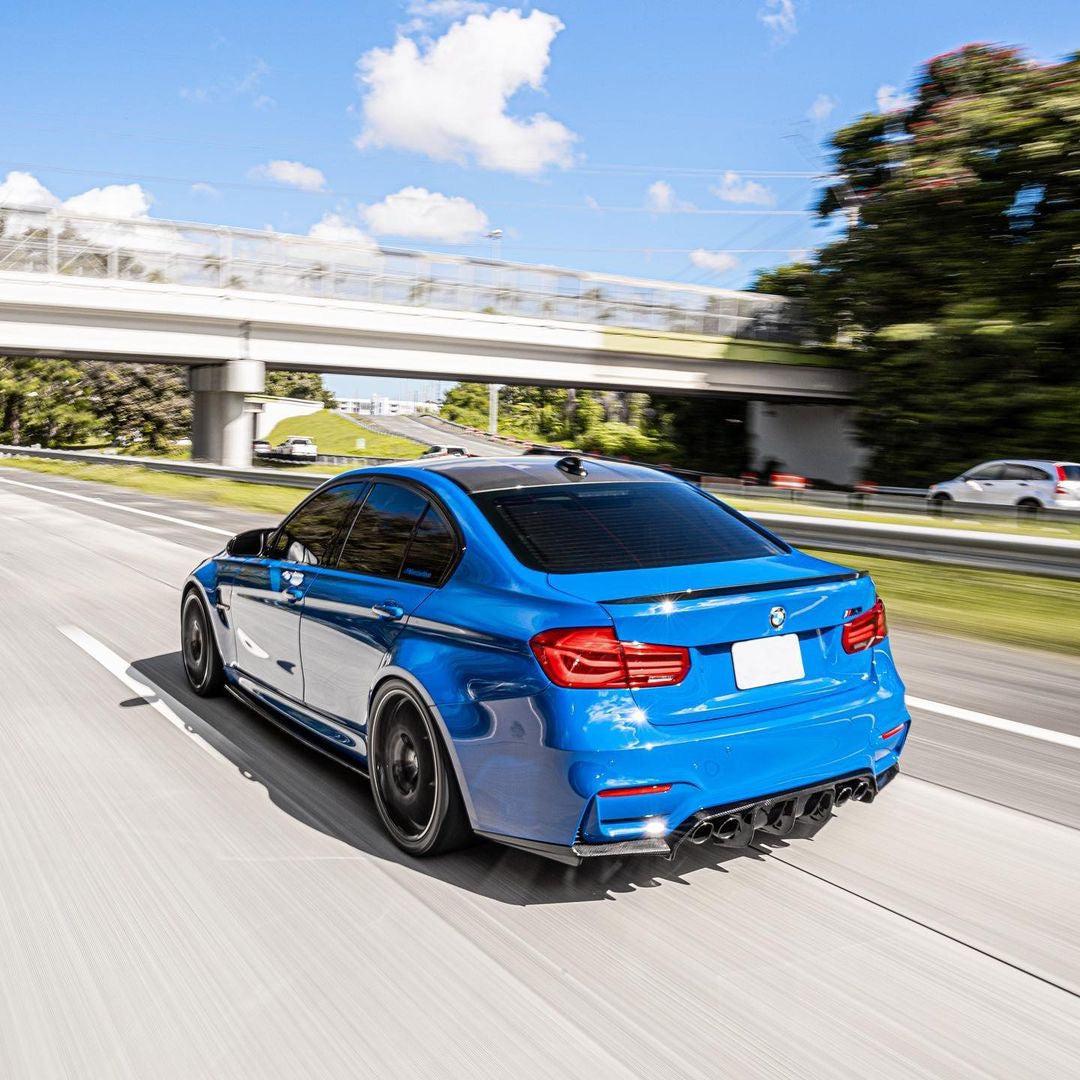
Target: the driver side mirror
pixel 250 544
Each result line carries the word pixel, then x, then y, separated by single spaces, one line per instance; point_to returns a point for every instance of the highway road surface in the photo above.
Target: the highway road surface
pixel 186 892
pixel 430 431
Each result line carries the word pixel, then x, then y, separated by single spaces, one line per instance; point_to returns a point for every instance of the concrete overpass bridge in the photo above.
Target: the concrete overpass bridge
pixel 232 303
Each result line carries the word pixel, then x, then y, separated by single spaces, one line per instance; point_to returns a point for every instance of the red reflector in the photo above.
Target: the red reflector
pixel 894 731
pixel 865 630
pixel 645 789
pixel 592 656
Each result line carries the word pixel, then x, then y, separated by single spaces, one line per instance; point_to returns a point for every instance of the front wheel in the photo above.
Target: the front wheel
pixel 202 661
pixel 412 779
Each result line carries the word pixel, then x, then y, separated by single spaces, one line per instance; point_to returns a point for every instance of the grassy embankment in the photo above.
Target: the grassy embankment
pixel 334 434
pixel 1017 609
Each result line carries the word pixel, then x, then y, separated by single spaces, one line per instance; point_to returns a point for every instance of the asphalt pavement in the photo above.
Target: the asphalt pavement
pixel 187 892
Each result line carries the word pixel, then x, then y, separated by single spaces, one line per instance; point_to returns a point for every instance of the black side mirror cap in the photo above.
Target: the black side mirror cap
pixel 250 544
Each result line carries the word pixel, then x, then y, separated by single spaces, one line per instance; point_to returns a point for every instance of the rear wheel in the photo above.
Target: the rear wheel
pixel 1028 507
pixel 412 779
pixel 202 661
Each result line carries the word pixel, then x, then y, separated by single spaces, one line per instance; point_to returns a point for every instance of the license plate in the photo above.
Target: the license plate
pixel 765 661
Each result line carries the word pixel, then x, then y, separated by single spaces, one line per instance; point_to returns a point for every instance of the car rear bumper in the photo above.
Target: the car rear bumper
pixel 732 826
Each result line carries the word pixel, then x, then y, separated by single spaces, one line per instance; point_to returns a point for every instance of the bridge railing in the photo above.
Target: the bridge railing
pixel 56 242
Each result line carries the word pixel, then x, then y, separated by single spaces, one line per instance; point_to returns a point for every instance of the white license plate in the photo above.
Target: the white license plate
pixel 765 661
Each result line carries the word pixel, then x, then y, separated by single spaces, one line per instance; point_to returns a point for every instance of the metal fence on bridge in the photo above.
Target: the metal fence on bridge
pixel 56 242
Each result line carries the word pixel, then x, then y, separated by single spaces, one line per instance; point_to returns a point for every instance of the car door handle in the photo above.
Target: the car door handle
pixel 293 593
pixel 388 610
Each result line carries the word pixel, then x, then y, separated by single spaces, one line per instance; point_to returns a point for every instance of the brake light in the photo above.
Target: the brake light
pixel 865 630
pixel 593 657
pixel 894 731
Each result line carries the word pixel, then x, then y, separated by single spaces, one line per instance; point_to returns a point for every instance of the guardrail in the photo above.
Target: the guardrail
pixel 1051 556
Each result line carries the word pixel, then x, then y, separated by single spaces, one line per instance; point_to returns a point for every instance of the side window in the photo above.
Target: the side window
pixel 987 472
pixel 432 549
pixel 308 535
pixel 382 531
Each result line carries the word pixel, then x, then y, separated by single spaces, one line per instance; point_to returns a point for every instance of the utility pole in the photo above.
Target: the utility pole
pixel 493 408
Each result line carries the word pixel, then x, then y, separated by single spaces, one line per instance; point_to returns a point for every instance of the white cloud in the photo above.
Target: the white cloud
pixel 449 100
pixel 718 262
pixel 334 229
pixel 426 215
pixel 292 174
pixel 779 16
pixel 662 198
pixel 23 190
pixel 890 99
pixel 426 12
pixel 246 86
pixel 203 188
pixel 734 189
pixel 128 201
pixel 822 108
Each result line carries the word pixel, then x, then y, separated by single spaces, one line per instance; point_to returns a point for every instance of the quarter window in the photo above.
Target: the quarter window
pixel 1025 472
pixel 380 535
pixel 431 550
pixel 308 535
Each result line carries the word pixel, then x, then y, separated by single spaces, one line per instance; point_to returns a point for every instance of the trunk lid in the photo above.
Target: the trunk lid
pixel 709 607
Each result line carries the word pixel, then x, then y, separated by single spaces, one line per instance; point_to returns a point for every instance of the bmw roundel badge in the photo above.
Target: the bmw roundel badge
pixel 776 617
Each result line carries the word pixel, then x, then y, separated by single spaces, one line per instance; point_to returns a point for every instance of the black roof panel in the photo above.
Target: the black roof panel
pixel 498 474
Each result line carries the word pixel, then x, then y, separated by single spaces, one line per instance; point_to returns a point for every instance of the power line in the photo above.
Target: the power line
pixel 337 193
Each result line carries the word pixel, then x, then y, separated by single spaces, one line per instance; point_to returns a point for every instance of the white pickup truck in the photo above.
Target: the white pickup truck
pixel 301 447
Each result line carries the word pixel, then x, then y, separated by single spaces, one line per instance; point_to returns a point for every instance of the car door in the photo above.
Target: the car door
pixel 1028 482
pixel 982 485
pixel 268 593
pixel 399 548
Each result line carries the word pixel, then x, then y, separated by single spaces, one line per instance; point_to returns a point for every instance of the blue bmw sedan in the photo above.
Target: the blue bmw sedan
pixel 571 656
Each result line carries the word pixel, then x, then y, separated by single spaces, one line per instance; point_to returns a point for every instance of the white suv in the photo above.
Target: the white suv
pixel 1030 485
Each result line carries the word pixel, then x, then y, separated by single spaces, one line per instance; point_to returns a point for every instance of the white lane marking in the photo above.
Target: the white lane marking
pixel 119 667
pixel 1060 738
pixel 118 506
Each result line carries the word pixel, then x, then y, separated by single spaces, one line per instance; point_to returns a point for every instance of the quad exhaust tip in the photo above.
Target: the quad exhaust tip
pixel 728 829
pixel 701 833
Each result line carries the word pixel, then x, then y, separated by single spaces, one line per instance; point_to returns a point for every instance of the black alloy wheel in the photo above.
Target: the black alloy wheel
pixel 202 661
pixel 412 779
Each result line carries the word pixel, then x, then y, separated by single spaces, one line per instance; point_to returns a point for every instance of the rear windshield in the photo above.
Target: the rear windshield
pixel 600 527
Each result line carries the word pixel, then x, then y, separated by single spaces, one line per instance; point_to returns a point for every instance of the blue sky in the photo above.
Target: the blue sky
pixel 671 138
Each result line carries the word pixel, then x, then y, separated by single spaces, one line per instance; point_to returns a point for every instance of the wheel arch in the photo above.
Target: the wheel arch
pixel 393 673
pixel 219 625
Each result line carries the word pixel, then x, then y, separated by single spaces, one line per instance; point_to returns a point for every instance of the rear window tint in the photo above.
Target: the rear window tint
pixel 601 527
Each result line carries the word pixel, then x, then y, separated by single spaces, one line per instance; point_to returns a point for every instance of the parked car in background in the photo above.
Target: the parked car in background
pixel 298 446
pixel 1027 484
pixel 453 451
pixel 571 656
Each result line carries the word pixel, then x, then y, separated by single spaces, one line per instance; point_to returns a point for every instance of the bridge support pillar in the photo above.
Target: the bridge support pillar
pixel 816 441
pixel 221 430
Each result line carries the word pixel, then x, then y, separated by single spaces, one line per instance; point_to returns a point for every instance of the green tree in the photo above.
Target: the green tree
pixel 956 273
pixel 307 385
pixel 141 405
pixel 43 401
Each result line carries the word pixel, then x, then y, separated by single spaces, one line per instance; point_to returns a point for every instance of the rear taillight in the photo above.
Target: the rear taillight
pixel 866 629
pixel 592 656
pixel 1059 487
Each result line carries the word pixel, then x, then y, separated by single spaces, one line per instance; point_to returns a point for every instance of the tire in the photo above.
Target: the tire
pixel 412 778
pixel 938 501
pixel 202 661
pixel 1028 507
